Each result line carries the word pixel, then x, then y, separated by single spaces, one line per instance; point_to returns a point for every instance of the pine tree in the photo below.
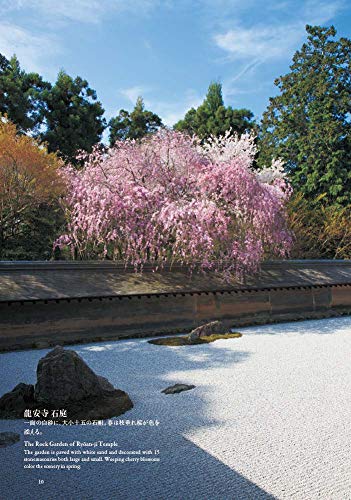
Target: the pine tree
pixel 308 123
pixel 73 116
pixel 134 125
pixel 213 118
pixel 21 95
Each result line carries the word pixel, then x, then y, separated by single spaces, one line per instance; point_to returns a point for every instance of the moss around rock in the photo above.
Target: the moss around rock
pixel 184 340
pixel 208 329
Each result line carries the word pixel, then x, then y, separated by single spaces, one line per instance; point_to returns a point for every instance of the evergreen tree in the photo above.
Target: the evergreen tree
pixel 134 125
pixel 308 123
pixel 213 118
pixel 73 116
pixel 4 63
pixel 21 95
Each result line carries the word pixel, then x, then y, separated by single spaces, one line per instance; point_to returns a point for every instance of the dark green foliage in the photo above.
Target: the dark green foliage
pixel 213 118
pixel 73 116
pixel 308 123
pixel 67 115
pixel 134 125
pixel 21 95
pixel 33 238
pixel 4 63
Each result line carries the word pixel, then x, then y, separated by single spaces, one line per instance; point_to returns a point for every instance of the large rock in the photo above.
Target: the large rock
pixel 14 403
pixel 65 382
pixel 63 377
pixel 214 327
pixel 8 438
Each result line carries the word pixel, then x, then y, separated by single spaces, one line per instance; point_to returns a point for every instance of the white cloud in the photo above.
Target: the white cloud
pixel 246 69
pixel 262 42
pixel 27 26
pixel 132 93
pixel 173 111
pixel 31 50
pixel 147 45
pixel 317 12
pixel 169 111
pixel 259 42
pixel 85 11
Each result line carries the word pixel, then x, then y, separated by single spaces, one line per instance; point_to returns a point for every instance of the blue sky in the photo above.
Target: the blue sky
pixel 168 51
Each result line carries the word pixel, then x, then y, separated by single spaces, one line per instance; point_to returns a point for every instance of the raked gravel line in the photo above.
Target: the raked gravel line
pixel 269 418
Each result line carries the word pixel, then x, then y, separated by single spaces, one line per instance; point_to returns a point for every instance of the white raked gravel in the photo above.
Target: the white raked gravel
pixel 269 418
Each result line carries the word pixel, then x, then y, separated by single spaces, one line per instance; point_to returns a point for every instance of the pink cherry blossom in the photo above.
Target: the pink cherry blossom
pixel 169 198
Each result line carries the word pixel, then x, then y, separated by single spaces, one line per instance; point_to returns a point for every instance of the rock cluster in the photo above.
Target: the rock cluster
pixel 208 329
pixel 65 381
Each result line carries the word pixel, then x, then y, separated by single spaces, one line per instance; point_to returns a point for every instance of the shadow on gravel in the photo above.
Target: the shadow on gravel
pixel 185 471
pixel 217 480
